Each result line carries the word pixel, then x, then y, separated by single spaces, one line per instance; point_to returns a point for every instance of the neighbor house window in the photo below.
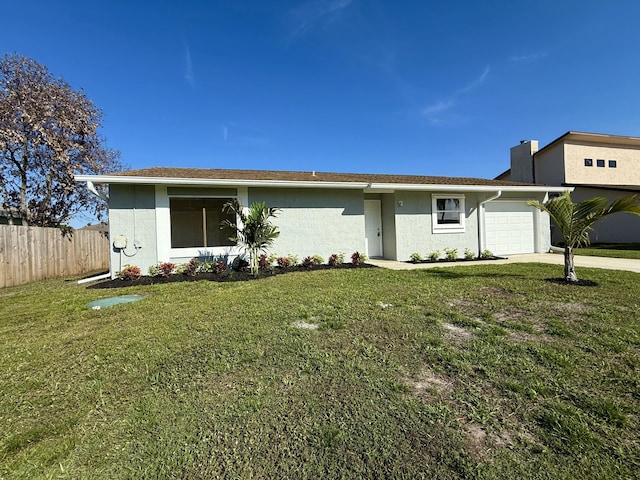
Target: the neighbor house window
pixel 195 222
pixel 448 213
pixel 613 164
pixel 600 163
pixel 588 162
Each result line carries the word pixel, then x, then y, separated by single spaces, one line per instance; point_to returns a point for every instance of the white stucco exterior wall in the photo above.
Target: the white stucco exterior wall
pixel 414 228
pixel 315 221
pixel 132 214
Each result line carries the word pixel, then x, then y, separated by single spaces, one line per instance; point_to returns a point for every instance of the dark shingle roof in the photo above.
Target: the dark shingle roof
pixel 277 175
pixel 99 227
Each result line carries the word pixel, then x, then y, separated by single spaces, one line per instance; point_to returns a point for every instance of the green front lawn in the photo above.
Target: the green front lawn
pixel 616 250
pixel 463 372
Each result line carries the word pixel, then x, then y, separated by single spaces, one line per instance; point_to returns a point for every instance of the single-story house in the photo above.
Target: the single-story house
pixel 174 214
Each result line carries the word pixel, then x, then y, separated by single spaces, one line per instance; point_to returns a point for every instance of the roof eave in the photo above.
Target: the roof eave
pixel 368 187
pixel 469 188
pixel 121 179
pixel 589 137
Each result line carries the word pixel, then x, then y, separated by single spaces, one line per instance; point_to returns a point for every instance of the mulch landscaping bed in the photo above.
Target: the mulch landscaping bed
pixel 461 260
pixel 228 276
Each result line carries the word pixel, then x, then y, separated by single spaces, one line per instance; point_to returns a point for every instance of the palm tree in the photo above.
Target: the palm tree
pixel 575 220
pixel 254 231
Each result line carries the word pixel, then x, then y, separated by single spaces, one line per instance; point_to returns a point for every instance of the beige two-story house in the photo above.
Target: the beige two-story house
pixel 596 165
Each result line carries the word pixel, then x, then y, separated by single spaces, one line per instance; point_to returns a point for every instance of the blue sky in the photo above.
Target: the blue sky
pixel 380 86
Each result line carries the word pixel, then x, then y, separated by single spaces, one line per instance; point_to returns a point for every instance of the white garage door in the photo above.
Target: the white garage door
pixel 509 228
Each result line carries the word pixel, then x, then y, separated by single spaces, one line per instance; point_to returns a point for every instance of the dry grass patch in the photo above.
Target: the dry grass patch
pixel 428 384
pixel 476 440
pixel 511 314
pixel 481 443
pixel 519 336
pixel 305 325
pixel 457 333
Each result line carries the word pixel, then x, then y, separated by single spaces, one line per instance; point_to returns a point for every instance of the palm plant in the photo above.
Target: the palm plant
pixel 575 220
pixel 253 228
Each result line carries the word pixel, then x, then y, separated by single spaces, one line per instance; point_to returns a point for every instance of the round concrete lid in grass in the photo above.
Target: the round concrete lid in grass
pixel 108 302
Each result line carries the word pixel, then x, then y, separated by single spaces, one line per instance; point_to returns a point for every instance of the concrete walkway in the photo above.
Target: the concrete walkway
pixel 631 265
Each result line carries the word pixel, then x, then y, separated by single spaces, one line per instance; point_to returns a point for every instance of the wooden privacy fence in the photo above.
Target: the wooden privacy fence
pixel 28 254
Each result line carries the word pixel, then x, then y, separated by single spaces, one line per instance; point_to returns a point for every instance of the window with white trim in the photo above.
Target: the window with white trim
pixel 195 222
pixel 447 213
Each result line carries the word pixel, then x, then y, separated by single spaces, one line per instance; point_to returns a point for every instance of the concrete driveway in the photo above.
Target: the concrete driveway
pixel 630 265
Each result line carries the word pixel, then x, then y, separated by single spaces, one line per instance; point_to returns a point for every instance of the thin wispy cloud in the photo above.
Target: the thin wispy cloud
pixel 437 108
pixel 188 70
pixel 316 13
pixel 441 111
pixel 476 82
pixel 527 57
pixel 225 133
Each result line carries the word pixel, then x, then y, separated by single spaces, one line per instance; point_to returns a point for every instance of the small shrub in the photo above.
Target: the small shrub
pixel 341 257
pixel 284 262
pixel 358 258
pixel 263 262
pixel 293 260
pixel 166 268
pixel 307 262
pixel 273 258
pixel 219 267
pixel 317 260
pixel 207 267
pixel 415 257
pixel 469 254
pixel 240 264
pixel 486 254
pixel 191 267
pixel 333 260
pixel 130 272
pixel 451 253
pixel 434 256
pixel 154 270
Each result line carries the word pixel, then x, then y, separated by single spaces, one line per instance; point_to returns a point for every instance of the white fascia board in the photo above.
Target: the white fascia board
pixel 217 182
pixel 366 187
pixel 467 188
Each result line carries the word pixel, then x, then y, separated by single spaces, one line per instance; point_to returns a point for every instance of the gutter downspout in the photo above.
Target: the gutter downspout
pixel 94 279
pixel 481 231
pixel 92 188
